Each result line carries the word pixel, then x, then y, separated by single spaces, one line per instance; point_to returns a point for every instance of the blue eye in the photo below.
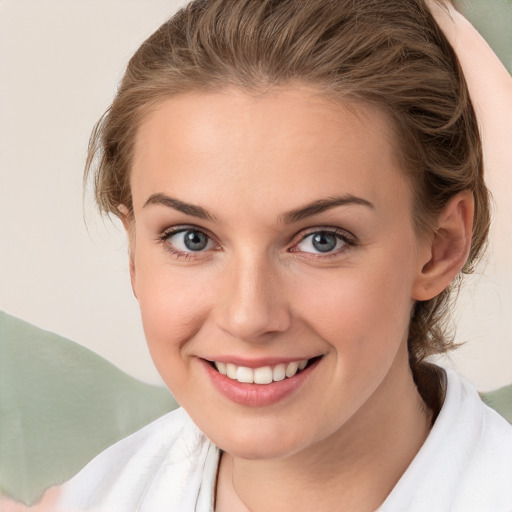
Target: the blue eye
pixel 322 242
pixel 188 240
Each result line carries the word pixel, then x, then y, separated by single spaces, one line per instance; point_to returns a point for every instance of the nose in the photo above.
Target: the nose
pixel 253 302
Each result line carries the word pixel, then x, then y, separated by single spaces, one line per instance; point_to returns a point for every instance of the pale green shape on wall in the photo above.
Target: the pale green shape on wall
pixel 501 401
pixel 493 19
pixel 60 405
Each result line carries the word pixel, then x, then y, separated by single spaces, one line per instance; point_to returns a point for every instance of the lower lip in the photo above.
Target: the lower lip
pixel 257 395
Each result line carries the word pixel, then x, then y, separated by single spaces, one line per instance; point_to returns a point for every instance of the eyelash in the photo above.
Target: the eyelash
pixel 347 238
pixel 168 233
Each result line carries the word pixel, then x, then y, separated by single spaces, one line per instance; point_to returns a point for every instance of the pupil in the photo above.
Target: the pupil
pixel 195 240
pixel 324 242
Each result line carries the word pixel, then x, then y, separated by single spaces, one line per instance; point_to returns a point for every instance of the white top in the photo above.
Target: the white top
pixel 465 465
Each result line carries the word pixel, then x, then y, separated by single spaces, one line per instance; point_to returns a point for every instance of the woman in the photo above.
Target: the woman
pixel 301 183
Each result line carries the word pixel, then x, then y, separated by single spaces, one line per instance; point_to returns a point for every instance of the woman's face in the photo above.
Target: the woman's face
pixel 273 230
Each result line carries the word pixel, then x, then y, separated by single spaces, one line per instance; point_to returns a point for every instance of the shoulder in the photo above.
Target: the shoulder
pixel 485 442
pixel 131 472
pixel 471 419
pixel 465 463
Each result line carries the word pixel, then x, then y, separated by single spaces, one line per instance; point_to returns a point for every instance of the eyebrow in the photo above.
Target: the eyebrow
pixel 180 206
pixel 322 205
pixel 290 217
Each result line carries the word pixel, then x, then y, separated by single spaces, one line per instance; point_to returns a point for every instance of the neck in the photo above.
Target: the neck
pixel 353 469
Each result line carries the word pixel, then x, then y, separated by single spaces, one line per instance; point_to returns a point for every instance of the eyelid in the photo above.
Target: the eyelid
pixel 347 237
pixel 168 232
pixel 343 233
pixel 173 230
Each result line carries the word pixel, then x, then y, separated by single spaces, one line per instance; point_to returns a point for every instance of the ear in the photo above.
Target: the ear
pixel 448 248
pixel 129 225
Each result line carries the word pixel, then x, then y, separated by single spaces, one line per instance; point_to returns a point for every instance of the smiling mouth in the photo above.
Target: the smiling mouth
pixel 263 374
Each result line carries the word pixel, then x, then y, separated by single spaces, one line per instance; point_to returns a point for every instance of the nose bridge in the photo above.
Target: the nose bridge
pixel 254 300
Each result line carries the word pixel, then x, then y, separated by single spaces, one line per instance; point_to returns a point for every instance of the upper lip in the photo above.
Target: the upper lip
pixel 257 362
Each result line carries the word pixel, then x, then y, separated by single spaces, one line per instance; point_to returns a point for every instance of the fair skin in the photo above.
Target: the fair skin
pixel 492 115
pixel 256 289
pixel 261 290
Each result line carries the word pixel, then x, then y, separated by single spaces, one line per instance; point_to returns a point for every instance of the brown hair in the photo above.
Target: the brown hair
pixel 389 53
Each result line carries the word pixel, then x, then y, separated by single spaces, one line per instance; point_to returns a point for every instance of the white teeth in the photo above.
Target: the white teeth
pixel 244 374
pixel 221 367
pixel 231 370
pixel 291 369
pixel 279 372
pixel 262 375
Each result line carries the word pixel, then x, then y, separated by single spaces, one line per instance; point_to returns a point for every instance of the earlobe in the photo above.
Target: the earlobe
pixel 448 248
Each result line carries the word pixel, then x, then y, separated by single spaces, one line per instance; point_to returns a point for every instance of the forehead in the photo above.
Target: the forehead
pixel 286 146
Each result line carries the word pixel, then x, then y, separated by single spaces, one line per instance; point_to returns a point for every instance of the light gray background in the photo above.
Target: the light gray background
pixel 60 62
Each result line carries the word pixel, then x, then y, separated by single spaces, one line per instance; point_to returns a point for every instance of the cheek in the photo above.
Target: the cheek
pixel 172 311
pixel 360 313
pixel 364 318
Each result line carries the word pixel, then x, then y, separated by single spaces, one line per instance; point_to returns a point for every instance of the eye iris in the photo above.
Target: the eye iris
pixel 195 240
pixel 324 242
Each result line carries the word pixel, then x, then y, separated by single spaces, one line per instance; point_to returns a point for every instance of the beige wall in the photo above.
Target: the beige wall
pixel 60 62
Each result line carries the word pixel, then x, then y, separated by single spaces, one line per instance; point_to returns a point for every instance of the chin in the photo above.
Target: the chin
pixel 258 442
pixel 255 450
